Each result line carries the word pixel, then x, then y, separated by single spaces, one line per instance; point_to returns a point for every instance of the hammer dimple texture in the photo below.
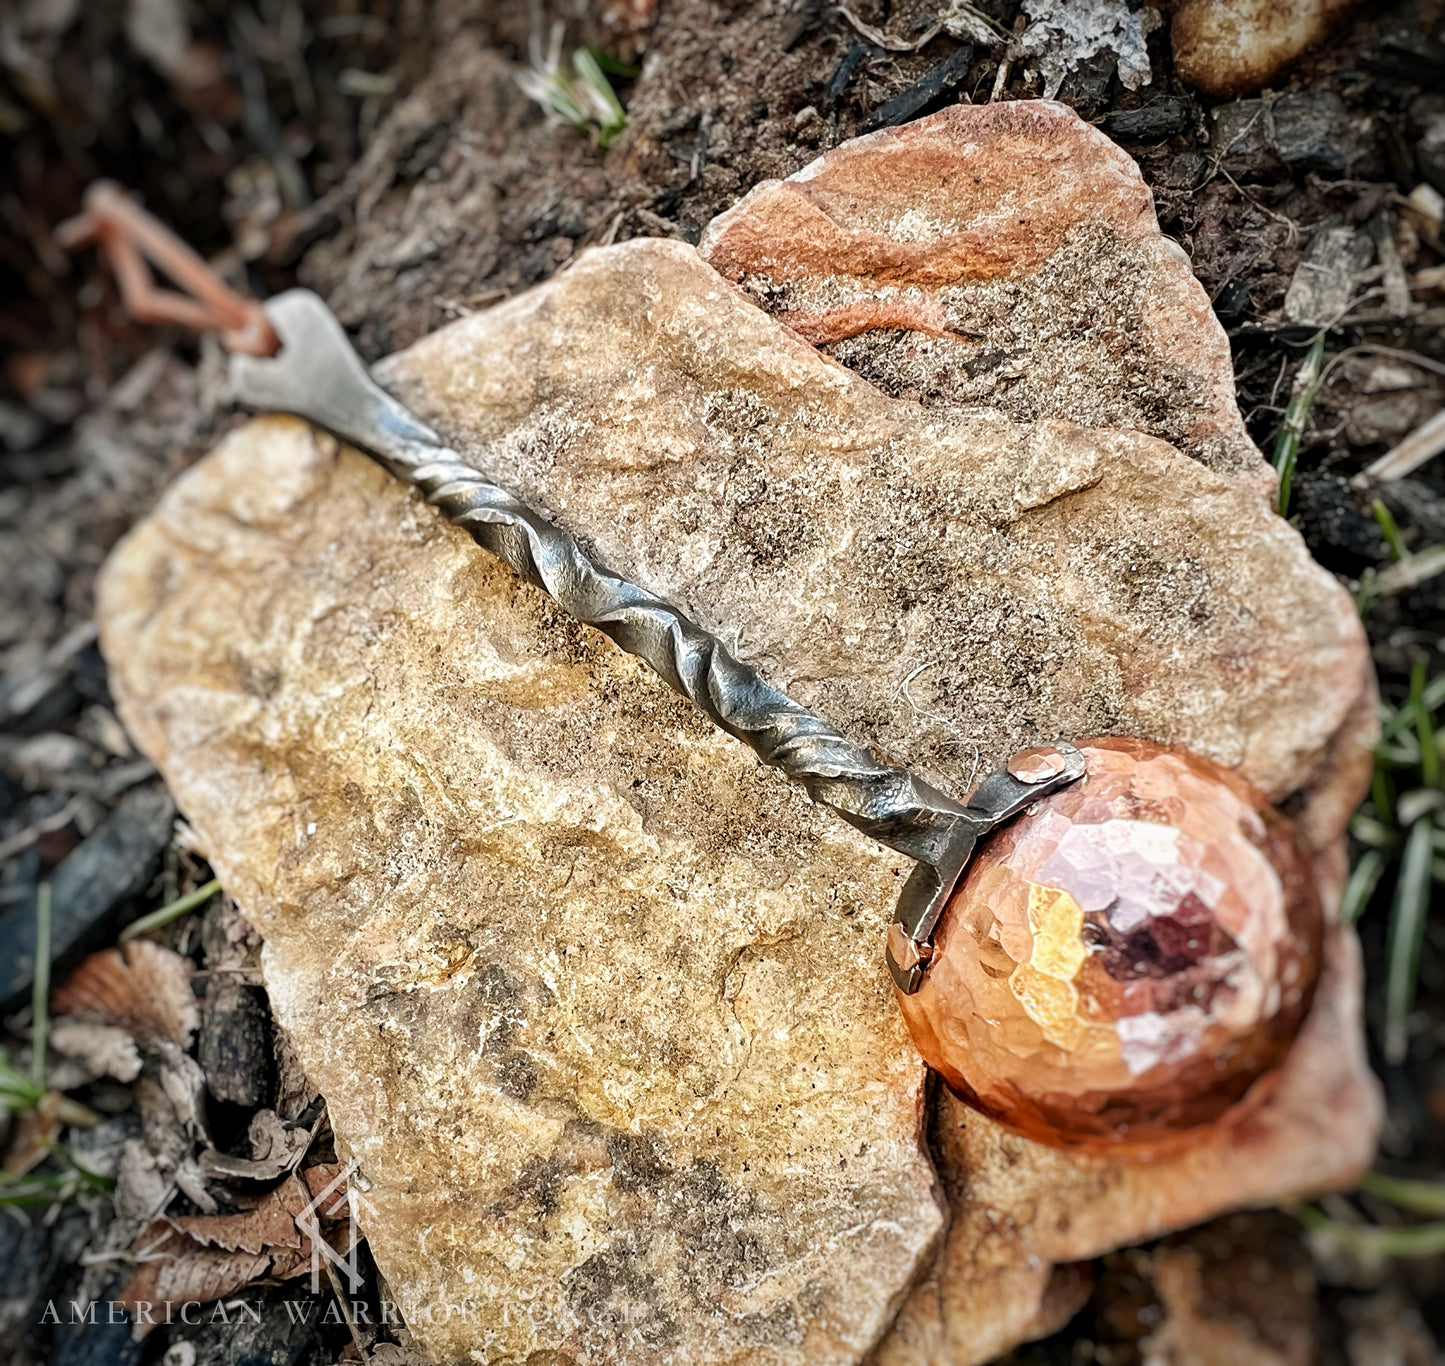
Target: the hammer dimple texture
pixel 1122 963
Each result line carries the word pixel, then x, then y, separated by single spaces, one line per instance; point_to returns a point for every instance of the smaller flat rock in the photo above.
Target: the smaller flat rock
pixel 1001 256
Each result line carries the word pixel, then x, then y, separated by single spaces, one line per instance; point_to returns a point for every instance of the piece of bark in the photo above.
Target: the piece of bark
pixel 1228 48
pixel 114 863
pixel 1004 256
pixel 597 1002
pixel 237 1045
pixel 1324 282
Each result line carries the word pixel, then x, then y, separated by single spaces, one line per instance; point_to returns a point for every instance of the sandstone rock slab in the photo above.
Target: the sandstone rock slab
pixel 1004 256
pixel 597 1003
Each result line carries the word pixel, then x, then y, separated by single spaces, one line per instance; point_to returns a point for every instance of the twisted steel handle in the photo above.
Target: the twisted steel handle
pixel 319 376
pixel 889 804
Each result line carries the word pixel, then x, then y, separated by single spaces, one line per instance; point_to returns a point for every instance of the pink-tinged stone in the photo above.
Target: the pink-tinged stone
pixel 1002 256
pixel 1127 959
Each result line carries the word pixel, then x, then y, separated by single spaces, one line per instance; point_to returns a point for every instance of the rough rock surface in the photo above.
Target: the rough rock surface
pixel 597 1003
pixel 1003 256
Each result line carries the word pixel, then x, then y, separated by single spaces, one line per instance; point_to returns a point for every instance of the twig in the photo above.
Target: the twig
pixel 314 1233
pixel 1370 349
pixel 23 839
pixel 1410 572
pixel 1250 199
pixel 881 39
pixel 1424 443
pixel 40 990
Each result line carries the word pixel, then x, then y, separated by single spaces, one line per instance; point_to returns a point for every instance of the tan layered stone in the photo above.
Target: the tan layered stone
pixel 588 996
pixel 597 1002
pixel 1229 48
pixel 1002 256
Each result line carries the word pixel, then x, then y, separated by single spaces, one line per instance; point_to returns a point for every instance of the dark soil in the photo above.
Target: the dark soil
pixel 381 152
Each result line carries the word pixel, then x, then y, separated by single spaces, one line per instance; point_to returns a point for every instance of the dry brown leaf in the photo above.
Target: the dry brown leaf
pixel 146 992
pixel 179 1269
pixel 269 1222
pixel 208 1257
pixel 318 1178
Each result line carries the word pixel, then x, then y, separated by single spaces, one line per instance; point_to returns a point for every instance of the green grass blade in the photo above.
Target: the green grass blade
pixel 1286 447
pixel 1420 1197
pixel 1390 528
pixel 608 63
pixel 1424 727
pixel 1382 793
pixel 171 911
pixel 1374 1241
pixel 17 1091
pixel 611 117
pixel 1364 878
pixel 1407 931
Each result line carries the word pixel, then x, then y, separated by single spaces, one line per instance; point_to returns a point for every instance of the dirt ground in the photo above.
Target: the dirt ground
pixel 383 153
